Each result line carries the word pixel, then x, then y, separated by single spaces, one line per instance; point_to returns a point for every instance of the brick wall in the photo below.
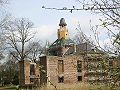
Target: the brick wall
pixel 43 70
pixel 24 73
pixel 27 71
pixel 70 68
pixel 52 69
pixel 37 74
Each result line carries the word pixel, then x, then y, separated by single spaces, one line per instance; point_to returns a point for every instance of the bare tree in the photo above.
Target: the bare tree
pixel 110 9
pixel 81 37
pixel 18 36
pixel 3 2
pixel 3 20
pixel 36 50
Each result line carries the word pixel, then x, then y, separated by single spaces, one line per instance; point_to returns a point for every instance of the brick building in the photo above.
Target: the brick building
pixel 66 62
pixel 60 69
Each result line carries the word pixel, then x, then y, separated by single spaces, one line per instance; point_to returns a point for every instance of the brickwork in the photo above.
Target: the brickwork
pixel 52 69
pixel 24 74
pixel 70 68
pixel 27 72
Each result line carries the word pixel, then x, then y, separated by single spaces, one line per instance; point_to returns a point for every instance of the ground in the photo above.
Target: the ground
pixel 79 86
pixel 8 88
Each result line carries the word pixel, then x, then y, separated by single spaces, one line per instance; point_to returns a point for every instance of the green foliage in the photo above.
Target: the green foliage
pixel 9 73
pixel 15 79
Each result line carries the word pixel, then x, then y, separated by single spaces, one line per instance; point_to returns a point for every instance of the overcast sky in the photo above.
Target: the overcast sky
pixel 46 22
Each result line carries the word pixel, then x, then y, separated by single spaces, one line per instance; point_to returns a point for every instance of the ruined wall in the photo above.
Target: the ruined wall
pixel 52 69
pixel 91 70
pixel 27 72
pixel 24 72
pixel 70 68
pixel 43 70
pixel 37 75
pixel 25 77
